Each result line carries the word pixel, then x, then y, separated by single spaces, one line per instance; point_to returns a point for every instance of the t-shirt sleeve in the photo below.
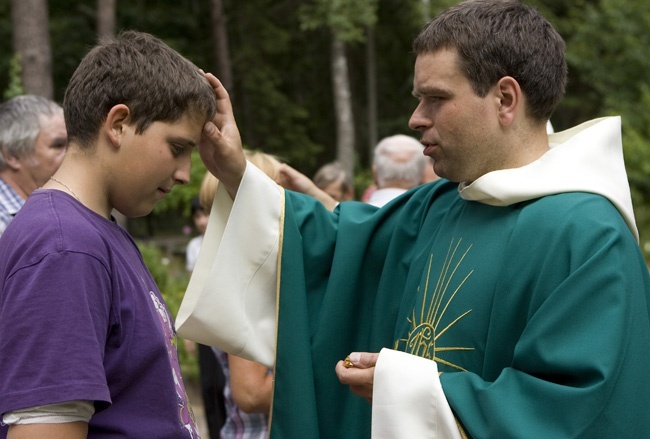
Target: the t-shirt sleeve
pixel 55 317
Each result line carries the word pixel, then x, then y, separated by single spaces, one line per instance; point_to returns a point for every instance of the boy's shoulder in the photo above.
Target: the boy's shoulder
pixel 52 221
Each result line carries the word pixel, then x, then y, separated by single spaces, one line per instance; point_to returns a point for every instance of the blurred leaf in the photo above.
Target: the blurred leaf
pixel 15 87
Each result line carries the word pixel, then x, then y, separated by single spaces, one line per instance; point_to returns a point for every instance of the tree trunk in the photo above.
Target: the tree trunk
pixel 221 51
pixel 371 78
pixel 105 18
pixel 31 41
pixel 342 106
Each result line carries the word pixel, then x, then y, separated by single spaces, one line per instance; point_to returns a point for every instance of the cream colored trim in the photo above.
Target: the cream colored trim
pixel 231 298
pixel 586 158
pixel 408 401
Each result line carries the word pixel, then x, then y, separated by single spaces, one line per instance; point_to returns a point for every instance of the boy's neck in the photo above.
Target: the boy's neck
pixel 81 175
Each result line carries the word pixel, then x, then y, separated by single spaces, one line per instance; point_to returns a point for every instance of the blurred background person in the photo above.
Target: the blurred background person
pixel 211 378
pixel 333 180
pixel 267 163
pixel 33 142
pixel 296 181
pixel 398 165
pixel 200 220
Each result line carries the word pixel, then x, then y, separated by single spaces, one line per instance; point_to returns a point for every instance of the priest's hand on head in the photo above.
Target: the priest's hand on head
pixel 221 147
pixel 358 371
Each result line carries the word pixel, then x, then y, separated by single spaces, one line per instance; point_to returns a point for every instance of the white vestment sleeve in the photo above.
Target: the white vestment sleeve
pixel 408 400
pixel 230 301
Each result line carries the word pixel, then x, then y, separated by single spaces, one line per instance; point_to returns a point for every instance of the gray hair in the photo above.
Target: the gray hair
pixel 20 123
pixel 331 173
pixel 399 158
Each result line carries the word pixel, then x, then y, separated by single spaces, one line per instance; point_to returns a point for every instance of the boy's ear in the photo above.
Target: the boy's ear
pixel 117 123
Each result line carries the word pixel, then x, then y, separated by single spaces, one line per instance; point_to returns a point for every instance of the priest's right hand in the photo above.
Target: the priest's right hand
pixel 221 147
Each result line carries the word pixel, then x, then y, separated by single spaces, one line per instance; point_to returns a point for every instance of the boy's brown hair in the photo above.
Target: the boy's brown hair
pixel 140 71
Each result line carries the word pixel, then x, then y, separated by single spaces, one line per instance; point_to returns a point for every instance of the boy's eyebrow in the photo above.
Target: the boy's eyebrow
pixel 183 140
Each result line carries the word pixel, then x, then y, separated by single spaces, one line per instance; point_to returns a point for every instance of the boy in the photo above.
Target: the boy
pixel 88 347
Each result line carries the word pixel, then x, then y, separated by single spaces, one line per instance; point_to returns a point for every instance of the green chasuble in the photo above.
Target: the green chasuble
pixel 536 313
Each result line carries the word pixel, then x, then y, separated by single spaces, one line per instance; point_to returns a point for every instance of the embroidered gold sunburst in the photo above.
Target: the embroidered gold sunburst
pixel 425 332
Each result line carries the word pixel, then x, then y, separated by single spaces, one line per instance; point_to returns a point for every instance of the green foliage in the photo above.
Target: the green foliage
pixel 184 25
pixel 609 63
pixel 15 87
pixel 437 6
pixel 345 18
pixel 363 179
pixel 399 22
pixel 172 281
pixel 279 98
pixel 638 170
pixel 282 93
pixel 607 51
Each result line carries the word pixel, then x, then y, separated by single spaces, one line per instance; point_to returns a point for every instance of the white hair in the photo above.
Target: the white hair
pixel 21 120
pixel 399 158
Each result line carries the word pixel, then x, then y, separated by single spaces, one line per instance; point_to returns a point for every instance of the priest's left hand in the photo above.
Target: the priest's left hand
pixel 358 371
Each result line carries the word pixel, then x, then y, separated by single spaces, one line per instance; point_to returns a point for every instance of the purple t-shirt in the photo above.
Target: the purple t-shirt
pixel 82 319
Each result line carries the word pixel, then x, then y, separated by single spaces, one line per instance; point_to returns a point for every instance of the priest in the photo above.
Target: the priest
pixel 508 299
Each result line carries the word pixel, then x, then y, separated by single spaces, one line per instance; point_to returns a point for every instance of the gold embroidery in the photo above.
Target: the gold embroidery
pixel 425 332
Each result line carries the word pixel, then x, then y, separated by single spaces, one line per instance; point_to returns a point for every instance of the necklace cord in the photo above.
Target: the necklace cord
pixel 67 187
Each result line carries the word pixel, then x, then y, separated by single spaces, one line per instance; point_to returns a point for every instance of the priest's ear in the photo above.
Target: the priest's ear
pixel 510 99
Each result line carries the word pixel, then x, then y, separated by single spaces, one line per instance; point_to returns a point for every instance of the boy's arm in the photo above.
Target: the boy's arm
pixel 60 420
pixel 220 147
pixel 69 430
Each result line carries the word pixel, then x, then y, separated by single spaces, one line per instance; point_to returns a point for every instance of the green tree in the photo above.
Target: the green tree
pixel 277 88
pixel 280 53
pixel 607 50
pixel 346 21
